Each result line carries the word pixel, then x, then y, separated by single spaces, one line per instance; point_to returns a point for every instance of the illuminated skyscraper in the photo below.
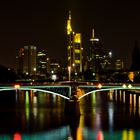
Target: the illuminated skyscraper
pixel 99 60
pixel 74 48
pixel 95 53
pixel 42 63
pixel 118 65
pixel 27 60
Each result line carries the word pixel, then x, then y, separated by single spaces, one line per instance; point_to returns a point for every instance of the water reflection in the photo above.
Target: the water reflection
pixel 113 115
pixel 58 134
pixel 63 133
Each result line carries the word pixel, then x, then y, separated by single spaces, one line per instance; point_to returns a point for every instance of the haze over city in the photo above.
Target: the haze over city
pixel 43 24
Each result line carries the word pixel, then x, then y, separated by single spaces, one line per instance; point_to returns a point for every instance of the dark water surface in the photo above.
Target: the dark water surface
pixel 28 115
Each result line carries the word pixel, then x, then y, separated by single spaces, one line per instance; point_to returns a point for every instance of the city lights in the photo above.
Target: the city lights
pixel 110 54
pixel 54 77
pixel 70 70
pixel 129 86
pixel 17 86
pixel 124 86
pixel 99 86
pixel 69 73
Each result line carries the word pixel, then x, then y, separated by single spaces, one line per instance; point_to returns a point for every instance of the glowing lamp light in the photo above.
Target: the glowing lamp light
pixel 17 86
pixel 110 54
pixel 54 77
pixel 129 86
pixel 124 86
pixel 99 86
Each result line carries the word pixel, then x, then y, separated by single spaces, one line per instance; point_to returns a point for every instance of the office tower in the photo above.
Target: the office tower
pixel 99 60
pixel 54 69
pixel 19 61
pixel 74 48
pixel 27 60
pixel 118 65
pixel 42 63
pixel 54 66
pixel 96 54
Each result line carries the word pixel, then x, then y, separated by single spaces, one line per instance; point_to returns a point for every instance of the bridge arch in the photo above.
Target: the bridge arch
pixel 34 89
pixel 107 89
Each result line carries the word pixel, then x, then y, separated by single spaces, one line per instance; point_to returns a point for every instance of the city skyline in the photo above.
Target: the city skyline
pixel 43 24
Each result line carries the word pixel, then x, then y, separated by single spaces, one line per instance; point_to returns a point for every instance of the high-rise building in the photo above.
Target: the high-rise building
pixel 27 60
pixel 99 60
pixel 74 48
pixel 118 65
pixel 42 62
pixel 19 61
pixel 54 66
pixel 92 53
pixel 96 54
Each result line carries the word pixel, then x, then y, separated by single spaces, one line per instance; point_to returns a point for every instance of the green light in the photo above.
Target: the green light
pixel 27 105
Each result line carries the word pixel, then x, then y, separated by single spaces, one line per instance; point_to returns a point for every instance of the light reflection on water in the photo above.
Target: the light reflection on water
pixel 104 116
pixel 63 133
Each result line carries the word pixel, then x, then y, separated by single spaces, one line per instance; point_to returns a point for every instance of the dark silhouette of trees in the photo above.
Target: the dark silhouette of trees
pixel 7 75
pixel 135 66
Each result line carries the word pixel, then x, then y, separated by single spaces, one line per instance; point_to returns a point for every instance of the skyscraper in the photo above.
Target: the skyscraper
pixel 99 60
pixel 27 60
pixel 95 53
pixel 42 62
pixel 74 48
pixel 118 65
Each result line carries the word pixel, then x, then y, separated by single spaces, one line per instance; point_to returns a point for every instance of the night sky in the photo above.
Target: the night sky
pixel 43 24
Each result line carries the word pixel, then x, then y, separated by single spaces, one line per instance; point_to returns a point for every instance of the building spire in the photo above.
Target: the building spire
pixel 93 33
pixel 69 15
pixel 69 28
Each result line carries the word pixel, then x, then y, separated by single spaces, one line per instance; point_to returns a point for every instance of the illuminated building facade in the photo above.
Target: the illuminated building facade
pixel 96 54
pixel 27 60
pixel 99 61
pixel 54 66
pixel 74 48
pixel 118 65
pixel 42 62
pixel 54 69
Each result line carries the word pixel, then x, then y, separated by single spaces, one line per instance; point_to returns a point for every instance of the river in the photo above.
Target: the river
pixel 30 115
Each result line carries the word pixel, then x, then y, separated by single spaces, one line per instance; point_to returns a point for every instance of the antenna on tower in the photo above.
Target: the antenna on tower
pixel 93 33
pixel 69 14
pixel 93 36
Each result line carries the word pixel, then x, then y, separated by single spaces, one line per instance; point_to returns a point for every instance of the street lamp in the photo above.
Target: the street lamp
pixel 69 72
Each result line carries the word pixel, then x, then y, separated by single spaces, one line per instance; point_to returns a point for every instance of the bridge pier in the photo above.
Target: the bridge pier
pixel 72 107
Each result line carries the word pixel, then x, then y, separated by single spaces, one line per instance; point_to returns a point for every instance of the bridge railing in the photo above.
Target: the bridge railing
pixel 66 91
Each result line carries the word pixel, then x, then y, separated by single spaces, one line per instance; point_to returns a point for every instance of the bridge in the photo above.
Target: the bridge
pixel 72 93
pixel 67 91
